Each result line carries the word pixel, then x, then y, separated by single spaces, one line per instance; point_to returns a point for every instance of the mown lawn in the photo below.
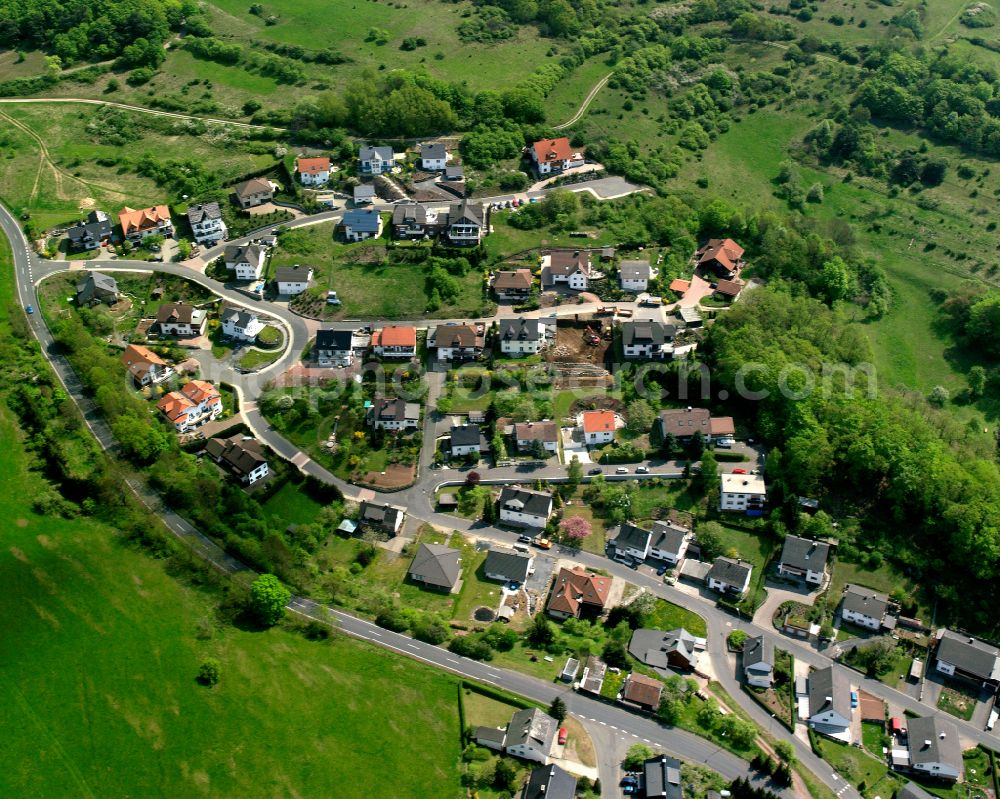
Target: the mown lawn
pixel 292 505
pixel 669 616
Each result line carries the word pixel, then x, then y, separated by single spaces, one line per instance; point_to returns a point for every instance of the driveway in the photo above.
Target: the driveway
pixel 697 291
pixel 573 446
pixel 778 593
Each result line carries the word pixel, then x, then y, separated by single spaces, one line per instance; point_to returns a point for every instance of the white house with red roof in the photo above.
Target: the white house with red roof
pixel 137 224
pixel 395 341
pixel 313 171
pixel 195 404
pixel 144 365
pixel 552 156
pixel 598 427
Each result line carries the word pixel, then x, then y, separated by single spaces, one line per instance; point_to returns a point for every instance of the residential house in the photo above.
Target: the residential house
pixel 195 404
pixel 578 594
pixel 723 429
pixel 376 160
pixel 293 280
pixel 632 541
pixel 181 319
pixel 745 493
pixel 90 234
pixel 549 782
pixel 206 223
pixel 830 703
pixel 729 289
pixel 570 268
pixel 530 735
pixel 97 288
pixel 934 748
pixel 467 439
pixel 522 507
pixel 864 607
pixel 455 342
pixel 758 661
pixel 674 649
pixel 437 567
pixel 508 566
pixel 661 778
pixel 313 171
pixel 524 336
pixel 241 324
pixel 381 517
pixel 804 559
pixel 466 225
pixel 598 427
pixel 723 257
pixel 552 156
pixel 647 340
pixel 393 413
pixel 240 455
pixel 642 691
pixel 145 366
pixel 433 157
pixel 513 285
pixel 491 737
pixel 683 423
pixel 395 341
pixel 669 542
pixel 361 224
pixel 246 260
pixel 253 192
pixel 592 679
pixel 334 348
pixel 413 221
pixel 528 435
pixel 138 224
pixel 634 275
pixel 364 194
pixel 729 576
pixel 960 655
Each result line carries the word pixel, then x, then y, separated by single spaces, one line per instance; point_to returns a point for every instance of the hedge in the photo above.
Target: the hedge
pixel 731 457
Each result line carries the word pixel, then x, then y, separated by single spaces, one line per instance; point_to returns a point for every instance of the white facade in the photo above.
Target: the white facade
pixel 195 328
pixel 209 230
pixel 525 445
pixel 512 516
pixel 669 556
pixel 599 437
pixel 632 284
pixel 647 351
pixel 810 576
pixel 742 491
pixel 318 178
pixel 759 675
pixel 861 619
pixel 248 267
pixel 465 449
pixel 293 287
pixel 396 424
pixel 256 474
pixel 578 281
pixel 246 328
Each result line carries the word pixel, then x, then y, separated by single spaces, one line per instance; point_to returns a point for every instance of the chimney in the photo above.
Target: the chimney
pixel 942 736
pixel 927 743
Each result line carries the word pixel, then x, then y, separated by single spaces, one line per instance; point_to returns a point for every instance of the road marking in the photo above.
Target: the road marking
pixel 603 723
pixel 412 646
pixel 645 740
pixel 378 634
pixel 612 726
pixel 452 660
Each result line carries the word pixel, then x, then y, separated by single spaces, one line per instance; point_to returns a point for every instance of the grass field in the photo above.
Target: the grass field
pixel 669 616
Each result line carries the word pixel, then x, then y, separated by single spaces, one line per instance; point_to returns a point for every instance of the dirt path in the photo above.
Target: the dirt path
pixel 586 103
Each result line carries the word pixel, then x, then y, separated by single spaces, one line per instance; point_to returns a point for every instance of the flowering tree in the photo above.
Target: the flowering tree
pixel 575 527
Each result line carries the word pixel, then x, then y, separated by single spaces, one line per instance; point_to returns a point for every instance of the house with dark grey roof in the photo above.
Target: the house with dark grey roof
pixel 528 434
pixel 376 160
pixel 91 233
pixel 241 324
pixel 433 156
pixel 804 559
pixel 674 649
pixel 913 791
pixel 437 567
pixel 206 223
pixel 508 566
pixel 293 280
pixel 549 782
pixel 466 224
pixel 758 661
pixel 523 336
pixel 245 260
pixel 729 576
pixel 522 507
pixel 381 517
pixel 647 339
pixel 360 224
pixel 669 542
pixel 634 275
pixel 393 413
pixel 97 288
pixel 530 735
pixel 632 541
pixel 334 348
pixel 491 737
pixel 830 703
pixel 241 456
pixel 413 221
pixel 364 194
pixel 960 655
pixel 661 777
pixel 864 607
pixel 466 439
pixel 934 748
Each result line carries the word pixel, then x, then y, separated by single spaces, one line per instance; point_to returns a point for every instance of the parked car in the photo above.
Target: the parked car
pixel 854 699
pixel 621 470
pixel 524 539
pixel 629 780
pixel 725 443
pixel 596 470
pixel 630 789
pixel 661 570
pixel 739 471
pixel 562 736
pixel 29 308
pixel 642 470
pixel 669 579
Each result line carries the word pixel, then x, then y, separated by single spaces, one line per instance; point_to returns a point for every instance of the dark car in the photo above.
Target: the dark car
pixel 661 570
pixel 595 471
pixel 524 539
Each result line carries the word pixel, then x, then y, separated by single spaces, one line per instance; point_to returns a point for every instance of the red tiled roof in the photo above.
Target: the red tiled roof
pixel 730 288
pixel 549 150
pixel 575 587
pixel 395 336
pixel 131 219
pixel 598 421
pixel 312 166
pixel 643 690
pixel 174 405
pixel 680 285
pixel 726 251
pixel 722 426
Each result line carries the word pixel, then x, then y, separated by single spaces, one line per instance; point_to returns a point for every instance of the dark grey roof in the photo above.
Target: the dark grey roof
pixel 364 191
pixel 829 690
pixel 491 735
pixel 913 791
pixel 729 571
pixel 662 777
pixel 512 565
pixel 198 213
pixel 802 553
pixel 667 537
pixel 971 656
pixel 756 650
pixel 634 270
pixel 533 728
pixel 646 332
pixel 97 226
pixel 364 220
pixel 409 213
pixel 291 274
pixel 550 782
pixel 858 599
pixel 383 516
pixel 433 151
pixel 242 456
pixel 241 316
pixel 653 647
pixel 536 503
pixel 932 739
pixel 334 340
pixel 242 253
pixel 629 535
pixel 520 329
pixel 465 435
pixel 366 153
pixel 391 409
pixel 436 565
pixel 465 211
pixel 97 282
